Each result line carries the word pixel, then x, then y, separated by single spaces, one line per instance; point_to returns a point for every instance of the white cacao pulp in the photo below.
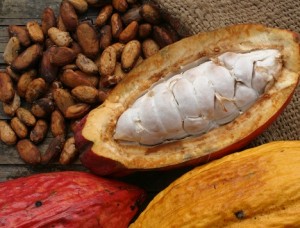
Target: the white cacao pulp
pixel 200 98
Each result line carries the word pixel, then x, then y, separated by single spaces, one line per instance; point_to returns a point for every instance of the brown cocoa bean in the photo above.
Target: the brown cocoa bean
pixel 10 108
pixel 35 31
pixel 86 65
pixel 54 149
pixel 27 58
pixel 7 91
pixel 28 152
pixel 116 25
pixel 14 76
pixel 70 67
pixel 58 125
pixel 77 111
pixel 21 33
pixel 119 49
pixel 108 61
pixel 120 5
pixel 86 94
pixel 35 89
pixel 162 36
pixel 60 24
pixel 150 13
pixel 103 94
pixel 132 1
pixel 131 15
pixel 7 135
pixel 80 6
pixel 48 20
pixel 19 128
pixel 24 81
pixel 60 37
pixel 76 48
pixel 88 40
pixel 11 50
pixel 130 55
pixel 119 74
pixel 26 117
pixel 98 3
pixel 63 99
pixel 39 132
pixel 61 56
pixel 68 15
pixel 69 152
pixel 42 107
pixel 105 37
pixel 48 43
pixel 149 47
pixel 104 15
pixel 129 33
pixel 76 78
pixel 145 30
pixel 48 71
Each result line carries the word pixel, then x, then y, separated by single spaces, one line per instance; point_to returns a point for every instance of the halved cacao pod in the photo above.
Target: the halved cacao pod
pixel 67 199
pixel 258 187
pixel 95 135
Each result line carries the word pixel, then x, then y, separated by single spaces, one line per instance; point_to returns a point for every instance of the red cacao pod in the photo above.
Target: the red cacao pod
pixel 96 135
pixel 67 199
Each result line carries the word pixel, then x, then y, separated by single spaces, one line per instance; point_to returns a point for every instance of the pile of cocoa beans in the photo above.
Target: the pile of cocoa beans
pixel 61 68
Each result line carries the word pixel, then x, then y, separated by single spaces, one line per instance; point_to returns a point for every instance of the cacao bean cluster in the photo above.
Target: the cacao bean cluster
pixel 61 68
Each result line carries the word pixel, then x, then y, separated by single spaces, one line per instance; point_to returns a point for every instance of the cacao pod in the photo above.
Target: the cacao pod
pixel 67 199
pixel 153 141
pixel 258 187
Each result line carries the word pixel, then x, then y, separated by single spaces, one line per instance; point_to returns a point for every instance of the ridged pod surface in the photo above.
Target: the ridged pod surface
pixel 105 155
pixel 67 199
pixel 258 187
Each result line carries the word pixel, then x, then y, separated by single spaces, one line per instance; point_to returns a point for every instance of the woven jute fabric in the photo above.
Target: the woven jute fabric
pixel 202 15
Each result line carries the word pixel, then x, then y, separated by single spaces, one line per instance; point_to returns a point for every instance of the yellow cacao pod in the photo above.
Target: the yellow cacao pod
pixel 258 187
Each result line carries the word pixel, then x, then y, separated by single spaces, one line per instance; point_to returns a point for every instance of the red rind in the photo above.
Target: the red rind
pixel 67 199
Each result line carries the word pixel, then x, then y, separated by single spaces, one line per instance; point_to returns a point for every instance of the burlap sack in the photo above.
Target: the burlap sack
pixel 196 16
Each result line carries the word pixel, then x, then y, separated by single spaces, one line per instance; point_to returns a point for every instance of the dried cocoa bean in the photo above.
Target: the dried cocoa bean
pixel 131 15
pixel 120 5
pixel 150 13
pixel 24 81
pixel 19 128
pixel 35 89
pixel 105 37
pixel 27 58
pixel 61 56
pixel 10 108
pixel 98 3
pixel 149 47
pixel 76 48
pixel 14 76
pixel 60 24
pixel 11 50
pixel 63 99
pixel 42 107
pixel 119 74
pixel 116 25
pixel 28 152
pixel 35 31
pixel 70 67
pixel 129 33
pixel 108 61
pixel 80 6
pixel 104 15
pixel 48 43
pixel 88 40
pixel 145 30
pixel 54 149
pixel 7 91
pixel 7 135
pixel 162 36
pixel 86 94
pixel 119 49
pixel 69 152
pixel 48 71
pixel 21 33
pixel 58 125
pixel 68 15
pixel 48 20
pixel 86 65
pixel 130 55
pixel 39 132
pixel 26 117
pixel 77 111
pixel 76 78
pixel 60 37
